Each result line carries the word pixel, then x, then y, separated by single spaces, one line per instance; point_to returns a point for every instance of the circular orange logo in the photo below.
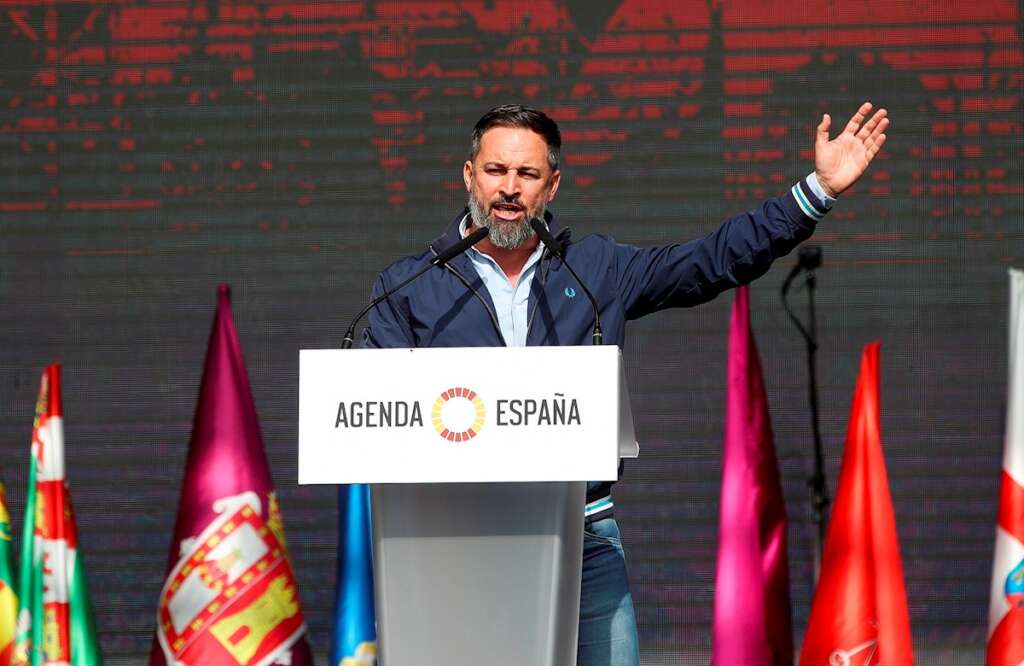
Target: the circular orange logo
pixel 458 414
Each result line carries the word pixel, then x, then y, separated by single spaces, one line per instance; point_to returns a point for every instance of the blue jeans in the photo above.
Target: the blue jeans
pixel 607 620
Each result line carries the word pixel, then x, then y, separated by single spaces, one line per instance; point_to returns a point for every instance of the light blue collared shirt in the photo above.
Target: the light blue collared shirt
pixel 510 301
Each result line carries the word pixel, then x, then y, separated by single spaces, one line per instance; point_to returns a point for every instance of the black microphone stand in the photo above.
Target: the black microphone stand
pixel 809 259
pixel 556 248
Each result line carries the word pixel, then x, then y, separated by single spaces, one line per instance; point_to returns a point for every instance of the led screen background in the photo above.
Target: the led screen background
pixel 151 150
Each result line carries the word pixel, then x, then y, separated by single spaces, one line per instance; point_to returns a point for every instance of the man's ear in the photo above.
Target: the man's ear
pixel 467 174
pixel 556 178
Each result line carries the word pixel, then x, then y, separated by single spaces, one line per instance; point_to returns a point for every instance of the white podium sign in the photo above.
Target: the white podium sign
pixel 481 414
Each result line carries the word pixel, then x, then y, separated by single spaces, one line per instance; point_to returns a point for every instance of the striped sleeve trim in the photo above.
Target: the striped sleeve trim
pixel 598 508
pixel 809 204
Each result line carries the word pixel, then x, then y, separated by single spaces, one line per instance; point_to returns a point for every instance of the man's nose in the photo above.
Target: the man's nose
pixel 509 185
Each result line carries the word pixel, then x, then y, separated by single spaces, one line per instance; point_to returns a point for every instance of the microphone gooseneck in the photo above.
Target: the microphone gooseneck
pixel 557 248
pixel 808 259
pixel 442 258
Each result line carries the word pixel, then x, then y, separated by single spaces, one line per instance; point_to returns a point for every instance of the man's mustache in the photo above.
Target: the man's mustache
pixel 508 201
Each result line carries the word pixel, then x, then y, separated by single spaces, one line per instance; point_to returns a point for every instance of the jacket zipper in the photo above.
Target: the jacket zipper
pixel 490 312
pixel 543 283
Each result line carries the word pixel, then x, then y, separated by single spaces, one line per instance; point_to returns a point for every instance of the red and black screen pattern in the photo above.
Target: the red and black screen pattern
pixel 149 150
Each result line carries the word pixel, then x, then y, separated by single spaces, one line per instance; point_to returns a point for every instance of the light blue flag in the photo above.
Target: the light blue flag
pixel 354 641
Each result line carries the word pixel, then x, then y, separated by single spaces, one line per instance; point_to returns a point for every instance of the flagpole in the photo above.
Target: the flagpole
pixel 809 259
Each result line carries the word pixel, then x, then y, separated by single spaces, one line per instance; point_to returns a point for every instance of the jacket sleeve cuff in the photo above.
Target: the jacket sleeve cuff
pixel 819 191
pixel 811 198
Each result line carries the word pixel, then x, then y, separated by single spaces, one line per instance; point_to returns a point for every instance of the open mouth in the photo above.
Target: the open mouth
pixel 507 211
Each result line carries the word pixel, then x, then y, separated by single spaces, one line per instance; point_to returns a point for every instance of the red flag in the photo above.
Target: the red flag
pixel 752 615
pixel 230 596
pixel 859 616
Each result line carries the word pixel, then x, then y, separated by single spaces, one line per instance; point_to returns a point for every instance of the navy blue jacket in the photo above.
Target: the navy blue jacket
pixel 451 307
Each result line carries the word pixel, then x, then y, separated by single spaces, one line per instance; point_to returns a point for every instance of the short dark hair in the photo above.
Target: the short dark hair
pixel 522 117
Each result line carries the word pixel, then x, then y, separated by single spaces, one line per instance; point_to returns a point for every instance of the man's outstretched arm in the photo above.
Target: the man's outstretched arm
pixel 744 246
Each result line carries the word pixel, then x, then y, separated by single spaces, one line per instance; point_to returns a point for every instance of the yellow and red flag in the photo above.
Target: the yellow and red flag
pixel 8 598
pixel 55 622
pixel 230 597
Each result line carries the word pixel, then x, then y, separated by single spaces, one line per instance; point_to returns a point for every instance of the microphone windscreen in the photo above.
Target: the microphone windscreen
pixel 545 237
pixel 455 250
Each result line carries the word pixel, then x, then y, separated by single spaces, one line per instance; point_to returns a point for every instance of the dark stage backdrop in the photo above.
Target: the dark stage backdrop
pixel 149 150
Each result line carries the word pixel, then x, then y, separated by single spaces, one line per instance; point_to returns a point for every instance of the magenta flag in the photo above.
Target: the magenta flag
pixel 230 595
pixel 752 614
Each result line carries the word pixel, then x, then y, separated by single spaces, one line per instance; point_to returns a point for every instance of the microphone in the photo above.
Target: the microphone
pixel 439 260
pixel 446 255
pixel 557 248
pixel 808 259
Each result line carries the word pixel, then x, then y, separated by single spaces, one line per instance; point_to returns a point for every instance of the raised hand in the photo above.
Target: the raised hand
pixel 839 162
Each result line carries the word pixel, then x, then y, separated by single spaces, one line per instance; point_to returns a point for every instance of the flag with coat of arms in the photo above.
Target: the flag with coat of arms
pixel 1006 603
pixel 55 623
pixel 230 596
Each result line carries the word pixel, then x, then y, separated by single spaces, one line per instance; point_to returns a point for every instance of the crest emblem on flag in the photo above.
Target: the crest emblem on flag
pixel 1014 586
pixel 860 655
pixel 231 597
pixel 366 655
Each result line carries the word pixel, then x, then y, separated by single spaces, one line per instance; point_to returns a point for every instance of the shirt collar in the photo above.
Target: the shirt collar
pixel 472 251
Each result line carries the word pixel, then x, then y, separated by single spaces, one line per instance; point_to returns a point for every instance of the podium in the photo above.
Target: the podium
pixel 478 460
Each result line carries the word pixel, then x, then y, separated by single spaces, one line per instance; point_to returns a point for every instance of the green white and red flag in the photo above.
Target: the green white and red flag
pixel 8 597
pixel 230 597
pixel 55 623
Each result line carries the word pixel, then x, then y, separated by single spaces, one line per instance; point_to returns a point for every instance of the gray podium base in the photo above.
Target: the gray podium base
pixel 481 573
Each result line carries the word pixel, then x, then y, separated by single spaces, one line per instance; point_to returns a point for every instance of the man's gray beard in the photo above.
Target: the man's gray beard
pixel 503 234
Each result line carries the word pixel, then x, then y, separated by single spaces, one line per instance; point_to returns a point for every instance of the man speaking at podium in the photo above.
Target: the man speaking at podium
pixel 511 289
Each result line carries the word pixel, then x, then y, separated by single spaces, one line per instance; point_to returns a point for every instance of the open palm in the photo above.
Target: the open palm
pixel 839 162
